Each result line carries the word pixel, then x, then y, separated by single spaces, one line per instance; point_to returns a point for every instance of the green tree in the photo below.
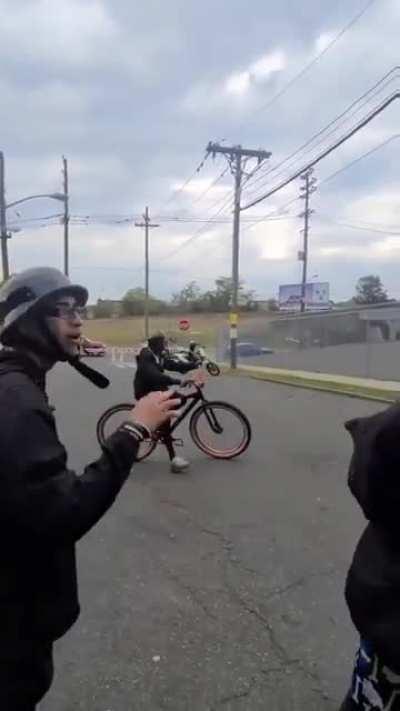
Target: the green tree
pixel 369 290
pixel 103 309
pixel 188 298
pixel 220 299
pixel 133 303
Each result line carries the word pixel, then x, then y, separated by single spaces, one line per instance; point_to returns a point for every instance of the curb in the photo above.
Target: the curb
pixel 334 387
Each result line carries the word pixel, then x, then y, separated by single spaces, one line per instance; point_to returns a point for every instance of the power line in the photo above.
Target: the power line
pixel 330 177
pixel 360 158
pixel 327 151
pixel 210 187
pixel 179 190
pixel 316 59
pixel 362 228
pixel 191 239
pixel 269 215
pixel 184 219
pixel 363 100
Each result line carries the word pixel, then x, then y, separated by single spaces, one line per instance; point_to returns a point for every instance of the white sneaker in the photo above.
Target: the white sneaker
pixel 179 465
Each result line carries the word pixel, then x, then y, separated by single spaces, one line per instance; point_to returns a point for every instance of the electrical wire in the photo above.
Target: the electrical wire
pixel 316 59
pixel 179 190
pixel 333 175
pixel 363 100
pixel 327 151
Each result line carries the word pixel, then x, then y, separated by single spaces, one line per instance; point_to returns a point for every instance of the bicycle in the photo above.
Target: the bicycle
pixel 207 421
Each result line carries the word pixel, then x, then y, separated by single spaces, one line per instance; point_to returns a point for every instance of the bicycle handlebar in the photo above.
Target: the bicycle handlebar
pixel 188 383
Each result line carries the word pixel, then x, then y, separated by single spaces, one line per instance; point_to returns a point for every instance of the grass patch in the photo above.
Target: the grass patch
pixel 348 389
pixel 205 328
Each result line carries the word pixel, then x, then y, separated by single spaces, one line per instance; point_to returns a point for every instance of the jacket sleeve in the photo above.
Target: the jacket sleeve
pixel 152 375
pixel 40 498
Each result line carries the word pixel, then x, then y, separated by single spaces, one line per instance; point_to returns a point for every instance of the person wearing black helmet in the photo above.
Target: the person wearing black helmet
pixel 45 508
pixel 150 376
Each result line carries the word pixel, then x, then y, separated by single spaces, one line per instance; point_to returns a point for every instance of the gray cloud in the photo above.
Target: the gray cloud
pixel 132 92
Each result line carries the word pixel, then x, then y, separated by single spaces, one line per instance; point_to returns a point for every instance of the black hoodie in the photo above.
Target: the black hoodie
pixel 373 582
pixel 45 508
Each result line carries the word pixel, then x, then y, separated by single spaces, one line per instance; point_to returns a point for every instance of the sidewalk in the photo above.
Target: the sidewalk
pixel 366 388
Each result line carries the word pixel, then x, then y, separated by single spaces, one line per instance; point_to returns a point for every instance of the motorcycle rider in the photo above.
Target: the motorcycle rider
pixel 150 376
pixel 45 508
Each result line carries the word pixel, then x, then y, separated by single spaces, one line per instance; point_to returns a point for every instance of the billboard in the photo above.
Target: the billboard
pixel 316 297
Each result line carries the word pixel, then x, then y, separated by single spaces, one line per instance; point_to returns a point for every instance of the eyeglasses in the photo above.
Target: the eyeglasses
pixel 65 311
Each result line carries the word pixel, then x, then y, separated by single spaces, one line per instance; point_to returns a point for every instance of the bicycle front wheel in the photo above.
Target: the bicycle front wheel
pixel 220 430
pixel 113 418
pixel 213 368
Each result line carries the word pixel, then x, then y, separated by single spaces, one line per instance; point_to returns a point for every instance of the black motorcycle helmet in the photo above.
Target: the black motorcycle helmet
pixel 157 342
pixel 23 299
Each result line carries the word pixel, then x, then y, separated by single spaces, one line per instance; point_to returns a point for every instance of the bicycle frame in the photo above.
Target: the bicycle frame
pixel 194 399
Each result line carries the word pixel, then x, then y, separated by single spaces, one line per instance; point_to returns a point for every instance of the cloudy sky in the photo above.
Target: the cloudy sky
pixel 131 93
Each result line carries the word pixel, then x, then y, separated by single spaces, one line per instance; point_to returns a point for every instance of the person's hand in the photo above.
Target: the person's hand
pixel 197 377
pixel 155 409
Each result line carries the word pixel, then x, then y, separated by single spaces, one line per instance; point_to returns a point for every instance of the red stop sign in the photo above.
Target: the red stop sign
pixel 184 324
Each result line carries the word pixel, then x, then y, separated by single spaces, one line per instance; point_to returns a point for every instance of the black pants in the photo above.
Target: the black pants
pixel 26 676
pixel 167 439
pixel 348 704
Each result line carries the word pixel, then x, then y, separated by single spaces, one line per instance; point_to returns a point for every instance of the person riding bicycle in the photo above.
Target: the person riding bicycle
pixel 150 376
pixel 45 508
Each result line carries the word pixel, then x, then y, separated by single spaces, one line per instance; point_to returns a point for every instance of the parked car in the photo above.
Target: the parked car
pixel 92 349
pixel 248 349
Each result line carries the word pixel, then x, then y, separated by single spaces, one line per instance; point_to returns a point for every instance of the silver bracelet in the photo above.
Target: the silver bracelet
pixel 132 432
pixel 139 431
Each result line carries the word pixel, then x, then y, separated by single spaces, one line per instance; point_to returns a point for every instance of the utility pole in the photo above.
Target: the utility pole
pixel 147 226
pixel 66 217
pixel 3 221
pixel 305 191
pixel 237 158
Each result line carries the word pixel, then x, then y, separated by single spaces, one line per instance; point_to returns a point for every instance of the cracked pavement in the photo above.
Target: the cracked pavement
pixel 222 589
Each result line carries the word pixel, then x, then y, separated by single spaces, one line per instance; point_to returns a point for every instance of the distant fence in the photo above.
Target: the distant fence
pixel 123 356
pixel 362 342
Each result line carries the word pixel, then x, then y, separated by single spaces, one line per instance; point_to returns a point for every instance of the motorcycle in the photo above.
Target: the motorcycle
pixel 196 355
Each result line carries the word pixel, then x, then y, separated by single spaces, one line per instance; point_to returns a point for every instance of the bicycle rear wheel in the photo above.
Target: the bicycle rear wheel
pixel 220 430
pixel 113 418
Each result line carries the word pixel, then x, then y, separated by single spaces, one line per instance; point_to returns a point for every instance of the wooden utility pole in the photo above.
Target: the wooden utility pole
pixel 237 156
pixel 3 221
pixel 147 226
pixel 66 217
pixel 305 191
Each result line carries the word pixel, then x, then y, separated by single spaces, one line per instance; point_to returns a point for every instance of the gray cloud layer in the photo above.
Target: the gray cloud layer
pixel 132 92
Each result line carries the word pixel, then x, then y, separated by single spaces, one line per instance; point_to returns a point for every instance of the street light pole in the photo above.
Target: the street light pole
pixel 4 236
pixel 3 221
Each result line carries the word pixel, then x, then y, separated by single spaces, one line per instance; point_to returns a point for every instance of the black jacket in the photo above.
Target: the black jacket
pixel 44 508
pixel 150 375
pixel 373 582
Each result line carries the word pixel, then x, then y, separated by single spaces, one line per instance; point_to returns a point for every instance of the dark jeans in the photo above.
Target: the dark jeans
pixel 168 441
pixel 348 704
pixel 374 685
pixel 25 677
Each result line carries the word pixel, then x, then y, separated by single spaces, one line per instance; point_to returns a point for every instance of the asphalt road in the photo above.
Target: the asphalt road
pixel 222 589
